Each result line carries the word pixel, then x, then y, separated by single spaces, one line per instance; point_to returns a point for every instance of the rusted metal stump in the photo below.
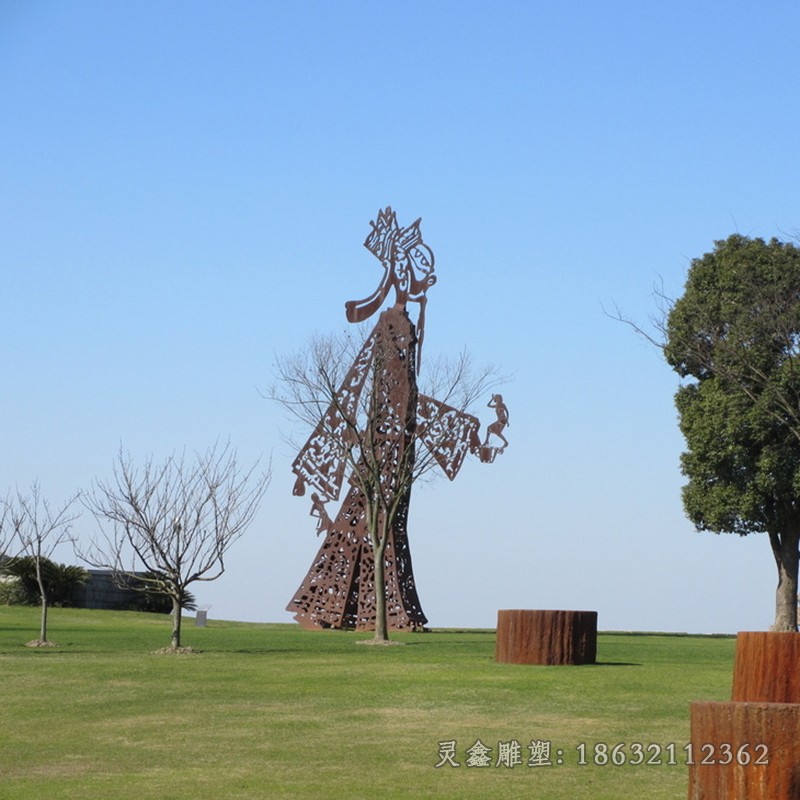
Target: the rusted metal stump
pixel 749 749
pixel 767 667
pixel 745 751
pixel 546 637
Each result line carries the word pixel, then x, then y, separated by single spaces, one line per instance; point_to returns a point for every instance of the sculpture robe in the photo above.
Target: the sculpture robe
pixel 339 588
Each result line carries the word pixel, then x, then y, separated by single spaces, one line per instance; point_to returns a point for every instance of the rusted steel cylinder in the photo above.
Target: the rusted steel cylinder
pixel 546 637
pixel 744 751
pixel 767 667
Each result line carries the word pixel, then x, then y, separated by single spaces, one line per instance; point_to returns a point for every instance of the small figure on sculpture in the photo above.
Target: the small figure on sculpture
pixel 497 427
pixel 494 431
pixel 318 510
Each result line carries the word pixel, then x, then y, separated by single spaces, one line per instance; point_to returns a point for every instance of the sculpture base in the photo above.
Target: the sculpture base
pixel 745 751
pixel 767 667
pixel 546 637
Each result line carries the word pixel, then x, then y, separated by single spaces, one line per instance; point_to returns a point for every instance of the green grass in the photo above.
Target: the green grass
pixel 271 711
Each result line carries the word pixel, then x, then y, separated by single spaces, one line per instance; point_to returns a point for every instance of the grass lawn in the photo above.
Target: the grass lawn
pixel 272 711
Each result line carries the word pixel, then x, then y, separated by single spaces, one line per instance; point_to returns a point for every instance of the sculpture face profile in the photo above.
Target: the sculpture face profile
pixel 339 588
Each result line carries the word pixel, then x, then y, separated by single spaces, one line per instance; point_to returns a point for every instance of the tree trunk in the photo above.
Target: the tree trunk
pixel 546 637
pixel 176 623
pixel 43 627
pixel 381 622
pixel 43 595
pixel 785 550
pixel 744 750
pixel 767 667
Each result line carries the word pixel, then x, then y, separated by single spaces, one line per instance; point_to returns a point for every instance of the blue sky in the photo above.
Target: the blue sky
pixel 184 190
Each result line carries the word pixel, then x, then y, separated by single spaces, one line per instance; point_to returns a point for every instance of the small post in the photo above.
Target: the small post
pixel 201 616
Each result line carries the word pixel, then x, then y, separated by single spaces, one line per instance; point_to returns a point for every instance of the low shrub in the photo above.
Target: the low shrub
pixel 62 582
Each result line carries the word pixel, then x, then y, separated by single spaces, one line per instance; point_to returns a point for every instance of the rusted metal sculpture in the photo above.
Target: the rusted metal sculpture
pixel 339 590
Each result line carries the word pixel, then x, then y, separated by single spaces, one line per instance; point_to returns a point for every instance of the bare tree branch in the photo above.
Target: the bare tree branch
pixel 7 535
pixel 730 359
pixel 174 521
pixel 39 531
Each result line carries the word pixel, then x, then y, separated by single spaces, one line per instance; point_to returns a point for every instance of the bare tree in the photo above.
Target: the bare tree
pixel 7 536
pixel 168 525
pixel 383 444
pixel 38 532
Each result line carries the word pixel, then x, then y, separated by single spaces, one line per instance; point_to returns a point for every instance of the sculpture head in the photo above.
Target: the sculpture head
pixel 408 265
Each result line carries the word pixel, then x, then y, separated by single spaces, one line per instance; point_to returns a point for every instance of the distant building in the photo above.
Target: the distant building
pixel 101 592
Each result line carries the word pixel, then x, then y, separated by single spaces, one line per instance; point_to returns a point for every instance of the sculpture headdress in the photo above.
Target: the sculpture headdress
pixel 384 234
pixel 390 244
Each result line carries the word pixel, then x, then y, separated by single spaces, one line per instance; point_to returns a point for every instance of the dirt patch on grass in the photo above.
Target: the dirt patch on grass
pixel 379 642
pixel 176 651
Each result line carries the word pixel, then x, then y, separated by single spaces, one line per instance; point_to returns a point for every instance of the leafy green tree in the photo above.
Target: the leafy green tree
pixel 734 337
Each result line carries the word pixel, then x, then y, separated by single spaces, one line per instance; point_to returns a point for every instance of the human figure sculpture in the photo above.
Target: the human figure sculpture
pixel 497 428
pixel 319 511
pixel 339 588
